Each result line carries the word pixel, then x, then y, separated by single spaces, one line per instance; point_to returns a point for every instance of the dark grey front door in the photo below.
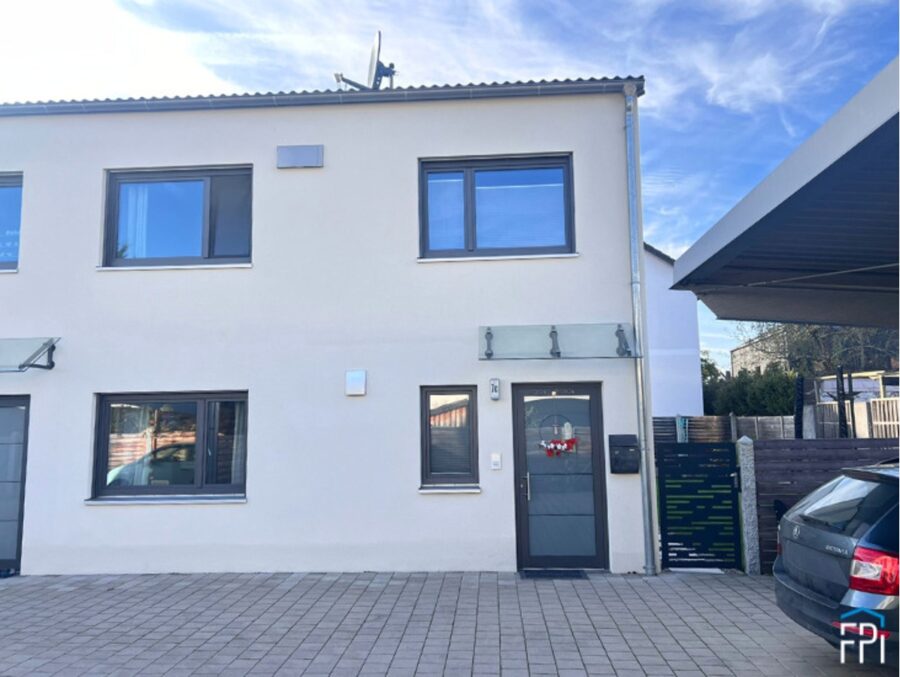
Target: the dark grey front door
pixel 13 434
pixel 560 477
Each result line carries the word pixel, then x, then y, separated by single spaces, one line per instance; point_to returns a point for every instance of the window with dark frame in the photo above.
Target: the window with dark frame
pixel 449 435
pixel 496 206
pixel 171 443
pixel 10 220
pixel 178 217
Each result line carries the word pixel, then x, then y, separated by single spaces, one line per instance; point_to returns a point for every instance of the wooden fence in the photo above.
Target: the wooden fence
pixel 722 428
pixel 787 470
pixel 884 417
pixel 827 421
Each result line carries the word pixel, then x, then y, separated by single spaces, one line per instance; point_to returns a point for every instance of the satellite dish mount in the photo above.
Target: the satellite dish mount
pixel 377 70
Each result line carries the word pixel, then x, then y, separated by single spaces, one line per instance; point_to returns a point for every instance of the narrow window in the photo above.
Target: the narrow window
pixel 496 207
pixel 10 220
pixel 172 443
pixel 449 435
pixel 178 217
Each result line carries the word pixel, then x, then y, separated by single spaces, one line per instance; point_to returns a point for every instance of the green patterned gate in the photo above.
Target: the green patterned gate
pixel 699 516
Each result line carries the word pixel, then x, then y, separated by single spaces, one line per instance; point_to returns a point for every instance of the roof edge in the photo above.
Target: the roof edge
pixel 658 253
pixel 325 98
pixel 874 105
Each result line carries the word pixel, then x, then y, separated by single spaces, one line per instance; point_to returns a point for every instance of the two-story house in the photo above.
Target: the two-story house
pixel 383 330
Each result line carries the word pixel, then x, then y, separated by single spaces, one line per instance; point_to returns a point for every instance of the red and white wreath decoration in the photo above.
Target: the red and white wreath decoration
pixel 557 447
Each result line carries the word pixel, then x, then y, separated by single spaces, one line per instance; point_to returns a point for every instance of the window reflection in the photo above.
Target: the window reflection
pixel 446 211
pixel 226 442
pixel 450 436
pixel 152 444
pixel 159 219
pixel 520 208
pixel 10 217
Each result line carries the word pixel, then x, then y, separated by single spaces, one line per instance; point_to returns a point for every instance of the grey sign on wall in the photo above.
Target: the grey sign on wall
pixel 291 157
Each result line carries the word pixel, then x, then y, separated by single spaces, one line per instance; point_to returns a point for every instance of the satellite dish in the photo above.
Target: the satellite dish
pixel 377 70
pixel 374 79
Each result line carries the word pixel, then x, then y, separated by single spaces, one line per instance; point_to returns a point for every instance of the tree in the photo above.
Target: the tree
pixel 770 393
pixel 816 350
pixel 712 378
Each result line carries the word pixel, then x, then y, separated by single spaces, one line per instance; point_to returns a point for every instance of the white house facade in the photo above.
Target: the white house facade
pixel 673 340
pixel 354 331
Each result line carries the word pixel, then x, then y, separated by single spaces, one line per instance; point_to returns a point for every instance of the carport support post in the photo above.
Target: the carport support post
pixel 749 524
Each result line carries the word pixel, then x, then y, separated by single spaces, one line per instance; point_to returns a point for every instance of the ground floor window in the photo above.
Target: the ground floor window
pixel 449 435
pixel 171 443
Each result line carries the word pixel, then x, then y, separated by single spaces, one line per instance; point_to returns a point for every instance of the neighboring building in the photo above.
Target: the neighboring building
pixel 673 338
pixel 281 317
pixel 759 353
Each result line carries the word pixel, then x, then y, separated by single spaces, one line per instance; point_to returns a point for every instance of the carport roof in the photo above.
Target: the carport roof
pixel 817 240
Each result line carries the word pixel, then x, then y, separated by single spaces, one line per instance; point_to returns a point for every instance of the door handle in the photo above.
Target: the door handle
pixel 528 486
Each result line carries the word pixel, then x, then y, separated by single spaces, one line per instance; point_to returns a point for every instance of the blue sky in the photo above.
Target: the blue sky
pixel 732 85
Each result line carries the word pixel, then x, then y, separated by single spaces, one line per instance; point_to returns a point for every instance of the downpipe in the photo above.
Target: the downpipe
pixel 637 246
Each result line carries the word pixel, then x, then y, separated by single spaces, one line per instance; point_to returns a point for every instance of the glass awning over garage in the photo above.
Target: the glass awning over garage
pixel 21 354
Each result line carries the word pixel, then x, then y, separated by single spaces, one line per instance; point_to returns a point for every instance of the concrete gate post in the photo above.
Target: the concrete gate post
pixel 749 523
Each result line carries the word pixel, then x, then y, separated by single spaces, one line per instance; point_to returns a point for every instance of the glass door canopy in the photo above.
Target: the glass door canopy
pixel 21 354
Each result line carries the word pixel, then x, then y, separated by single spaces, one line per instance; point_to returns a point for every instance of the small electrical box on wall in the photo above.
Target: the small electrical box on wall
pixel 355 383
pixel 624 454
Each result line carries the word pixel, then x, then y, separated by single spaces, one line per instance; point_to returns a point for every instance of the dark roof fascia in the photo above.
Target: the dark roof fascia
pixel 325 98
pixel 659 254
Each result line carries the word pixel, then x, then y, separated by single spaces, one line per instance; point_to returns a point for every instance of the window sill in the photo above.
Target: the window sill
pixel 186 266
pixel 175 499
pixel 8 270
pixel 507 257
pixel 450 489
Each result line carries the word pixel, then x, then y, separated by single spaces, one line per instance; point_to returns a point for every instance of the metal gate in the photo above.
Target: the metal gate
pixel 699 518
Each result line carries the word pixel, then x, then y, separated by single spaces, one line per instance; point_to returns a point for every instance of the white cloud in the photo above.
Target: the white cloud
pixel 92 48
pixel 153 47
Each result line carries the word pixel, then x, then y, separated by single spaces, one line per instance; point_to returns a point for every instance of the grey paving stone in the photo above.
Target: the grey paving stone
pixel 402 624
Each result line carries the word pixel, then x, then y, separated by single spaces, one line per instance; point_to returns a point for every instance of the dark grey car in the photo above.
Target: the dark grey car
pixel 837 563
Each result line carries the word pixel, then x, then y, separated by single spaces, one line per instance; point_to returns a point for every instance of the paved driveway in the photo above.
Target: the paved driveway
pixel 429 624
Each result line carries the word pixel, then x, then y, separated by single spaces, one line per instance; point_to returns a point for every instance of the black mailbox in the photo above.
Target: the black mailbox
pixel 624 454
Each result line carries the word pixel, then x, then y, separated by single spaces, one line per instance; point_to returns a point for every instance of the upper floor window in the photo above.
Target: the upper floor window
pixel 176 217
pixel 496 206
pixel 10 219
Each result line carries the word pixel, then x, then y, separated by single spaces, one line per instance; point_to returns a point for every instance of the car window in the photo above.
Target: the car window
pixel 848 505
pixel 884 535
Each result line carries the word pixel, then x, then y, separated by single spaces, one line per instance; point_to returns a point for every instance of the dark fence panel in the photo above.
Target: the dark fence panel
pixel 787 470
pixel 698 505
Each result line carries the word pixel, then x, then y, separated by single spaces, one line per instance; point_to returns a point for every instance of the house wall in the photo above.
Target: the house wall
pixel 335 284
pixel 758 354
pixel 673 339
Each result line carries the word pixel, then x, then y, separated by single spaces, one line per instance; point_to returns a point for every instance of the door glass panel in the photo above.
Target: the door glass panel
pixel 12 451
pixel 559 461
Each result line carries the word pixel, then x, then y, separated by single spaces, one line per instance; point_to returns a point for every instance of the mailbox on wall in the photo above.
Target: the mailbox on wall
pixel 624 454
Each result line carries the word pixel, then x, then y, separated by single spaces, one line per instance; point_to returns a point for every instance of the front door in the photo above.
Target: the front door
pixel 560 476
pixel 13 431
